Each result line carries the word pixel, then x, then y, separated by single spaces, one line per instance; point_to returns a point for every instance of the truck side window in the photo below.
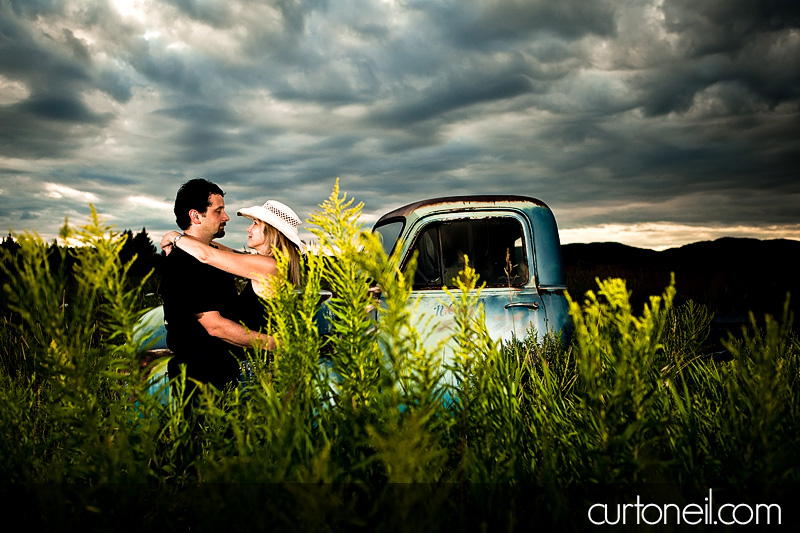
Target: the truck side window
pixel 494 247
pixel 388 233
pixel 429 268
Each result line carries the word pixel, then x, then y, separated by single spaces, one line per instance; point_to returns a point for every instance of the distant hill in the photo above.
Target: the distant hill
pixel 731 276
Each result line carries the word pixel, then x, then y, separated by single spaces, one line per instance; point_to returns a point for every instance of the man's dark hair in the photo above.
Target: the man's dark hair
pixel 194 194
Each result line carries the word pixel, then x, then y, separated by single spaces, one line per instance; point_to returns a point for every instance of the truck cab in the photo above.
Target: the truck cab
pixel 511 241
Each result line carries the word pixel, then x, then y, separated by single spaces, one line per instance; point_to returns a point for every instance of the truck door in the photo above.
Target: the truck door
pixel 497 247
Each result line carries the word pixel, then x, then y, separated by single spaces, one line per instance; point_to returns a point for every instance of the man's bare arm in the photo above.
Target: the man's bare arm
pixel 232 332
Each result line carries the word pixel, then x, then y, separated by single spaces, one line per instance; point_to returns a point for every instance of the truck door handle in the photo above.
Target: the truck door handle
pixel 527 305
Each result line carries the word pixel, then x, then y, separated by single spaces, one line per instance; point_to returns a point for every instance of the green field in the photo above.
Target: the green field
pixel 532 433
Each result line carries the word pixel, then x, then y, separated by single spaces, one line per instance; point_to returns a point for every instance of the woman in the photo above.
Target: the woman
pixel 274 227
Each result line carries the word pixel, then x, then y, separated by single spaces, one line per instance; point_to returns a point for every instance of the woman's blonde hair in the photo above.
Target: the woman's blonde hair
pixel 278 240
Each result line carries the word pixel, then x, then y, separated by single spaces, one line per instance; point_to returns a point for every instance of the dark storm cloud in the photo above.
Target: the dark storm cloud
pixel 295 12
pixel 724 25
pixel 745 46
pixel 200 114
pixel 474 23
pixel 57 108
pixel 214 13
pixel 202 135
pixel 55 68
pixel 613 112
pixel 61 61
pixel 454 94
pixel 23 136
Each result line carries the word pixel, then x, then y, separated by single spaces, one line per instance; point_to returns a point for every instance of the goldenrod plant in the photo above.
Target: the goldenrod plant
pixel 354 344
pixel 619 369
pixel 78 326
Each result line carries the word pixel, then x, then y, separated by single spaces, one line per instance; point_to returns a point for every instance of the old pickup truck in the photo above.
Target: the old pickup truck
pixel 511 241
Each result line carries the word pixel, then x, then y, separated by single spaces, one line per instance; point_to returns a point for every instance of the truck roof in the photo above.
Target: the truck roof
pixel 483 200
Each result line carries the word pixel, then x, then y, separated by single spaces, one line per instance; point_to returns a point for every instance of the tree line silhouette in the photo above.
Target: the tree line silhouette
pixel 138 248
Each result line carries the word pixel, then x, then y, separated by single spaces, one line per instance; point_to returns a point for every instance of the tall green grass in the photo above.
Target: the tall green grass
pixel 344 423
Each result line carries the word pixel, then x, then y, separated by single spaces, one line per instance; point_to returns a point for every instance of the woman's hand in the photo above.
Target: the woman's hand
pixel 166 241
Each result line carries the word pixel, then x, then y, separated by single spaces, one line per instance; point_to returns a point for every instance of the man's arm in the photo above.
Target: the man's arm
pixel 232 332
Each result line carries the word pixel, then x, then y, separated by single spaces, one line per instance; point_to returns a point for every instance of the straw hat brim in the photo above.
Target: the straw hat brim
pixel 265 215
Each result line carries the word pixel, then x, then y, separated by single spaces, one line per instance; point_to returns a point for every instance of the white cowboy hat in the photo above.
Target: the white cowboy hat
pixel 279 216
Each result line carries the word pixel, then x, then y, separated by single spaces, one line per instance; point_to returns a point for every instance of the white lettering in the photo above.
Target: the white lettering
pixel 624 513
pixel 768 507
pixel 692 509
pixel 691 513
pixel 746 507
pixel 719 514
pixel 602 506
pixel 677 513
pixel 657 508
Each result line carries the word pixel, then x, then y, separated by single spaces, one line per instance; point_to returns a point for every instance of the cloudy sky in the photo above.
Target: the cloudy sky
pixel 649 122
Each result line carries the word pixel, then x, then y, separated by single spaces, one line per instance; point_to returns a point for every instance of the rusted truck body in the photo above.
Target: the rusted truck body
pixel 511 241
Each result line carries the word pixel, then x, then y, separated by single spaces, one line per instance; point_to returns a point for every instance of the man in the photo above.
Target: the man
pixel 200 300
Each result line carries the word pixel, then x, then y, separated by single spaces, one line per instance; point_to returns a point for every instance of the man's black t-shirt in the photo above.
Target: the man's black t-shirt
pixel 189 287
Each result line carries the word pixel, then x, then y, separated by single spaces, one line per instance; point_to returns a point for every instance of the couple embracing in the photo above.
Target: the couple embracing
pixel 209 324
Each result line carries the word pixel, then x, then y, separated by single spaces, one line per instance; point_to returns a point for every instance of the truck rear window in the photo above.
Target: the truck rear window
pixel 494 247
